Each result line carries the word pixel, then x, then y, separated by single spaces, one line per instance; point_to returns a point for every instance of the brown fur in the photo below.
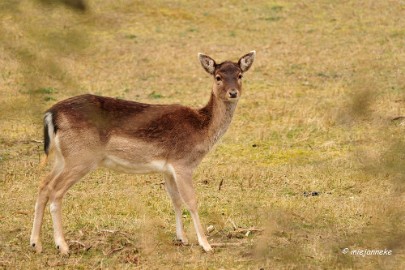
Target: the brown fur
pixel 174 128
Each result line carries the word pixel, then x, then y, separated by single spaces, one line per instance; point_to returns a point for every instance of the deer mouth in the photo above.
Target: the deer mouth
pixel 233 99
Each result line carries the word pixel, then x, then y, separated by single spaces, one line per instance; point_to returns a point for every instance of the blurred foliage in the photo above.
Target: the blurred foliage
pixel 79 5
pixel 38 49
pixel 328 79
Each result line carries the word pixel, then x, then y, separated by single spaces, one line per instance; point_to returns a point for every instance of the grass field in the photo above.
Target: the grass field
pixel 314 157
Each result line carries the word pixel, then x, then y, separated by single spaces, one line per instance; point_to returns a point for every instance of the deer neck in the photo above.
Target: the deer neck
pixel 219 116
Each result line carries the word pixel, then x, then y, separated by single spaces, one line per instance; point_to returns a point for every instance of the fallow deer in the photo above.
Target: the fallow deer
pixel 88 131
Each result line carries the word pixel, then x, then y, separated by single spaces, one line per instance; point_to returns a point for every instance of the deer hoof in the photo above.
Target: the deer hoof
pixel 63 249
pixel 37 247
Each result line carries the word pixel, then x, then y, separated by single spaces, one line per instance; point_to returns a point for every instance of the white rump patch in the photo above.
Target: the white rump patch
pixel 48 121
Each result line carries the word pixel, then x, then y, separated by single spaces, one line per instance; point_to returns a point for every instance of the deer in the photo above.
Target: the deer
pixel 88 131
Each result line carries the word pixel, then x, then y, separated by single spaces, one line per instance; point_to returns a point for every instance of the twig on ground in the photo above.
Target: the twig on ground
pixel 108 231
pixel 233 224
pixel 113 251
pixel 252 229
pixel 162 183
pixel 220 184
pixel 243 232
pixel 227 244
pixel 82 245
pixel 398 118
pixel 77 242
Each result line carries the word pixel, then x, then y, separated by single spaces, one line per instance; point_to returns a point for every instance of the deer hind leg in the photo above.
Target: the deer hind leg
pixel 42 200
pixel 174 194
pixel 185 187
pixel 35 240
pixel 58 188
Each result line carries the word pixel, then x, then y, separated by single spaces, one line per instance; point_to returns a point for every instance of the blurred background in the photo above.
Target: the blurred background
pixel 313 163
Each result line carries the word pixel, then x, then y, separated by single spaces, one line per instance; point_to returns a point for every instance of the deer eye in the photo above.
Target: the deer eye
pixel 218 78
pixel 240 76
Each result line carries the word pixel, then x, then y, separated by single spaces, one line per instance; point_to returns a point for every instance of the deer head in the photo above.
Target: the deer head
pixel 227 75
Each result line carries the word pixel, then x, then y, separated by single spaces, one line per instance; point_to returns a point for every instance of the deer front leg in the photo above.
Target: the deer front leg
pixel 174 194
pixel 183 179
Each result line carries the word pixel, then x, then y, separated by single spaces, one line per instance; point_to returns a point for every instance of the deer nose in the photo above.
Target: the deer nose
pixel 233 93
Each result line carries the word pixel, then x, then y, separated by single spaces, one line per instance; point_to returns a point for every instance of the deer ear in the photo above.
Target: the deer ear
pixel 246 61
pixel 207 63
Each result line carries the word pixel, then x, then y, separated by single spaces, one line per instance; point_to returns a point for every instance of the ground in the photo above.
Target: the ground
pixel 310 174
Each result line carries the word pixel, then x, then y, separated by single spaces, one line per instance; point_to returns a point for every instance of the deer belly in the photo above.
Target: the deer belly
pixel 129 166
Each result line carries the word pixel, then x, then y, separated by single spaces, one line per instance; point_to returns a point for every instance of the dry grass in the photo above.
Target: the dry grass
pixel 316 116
